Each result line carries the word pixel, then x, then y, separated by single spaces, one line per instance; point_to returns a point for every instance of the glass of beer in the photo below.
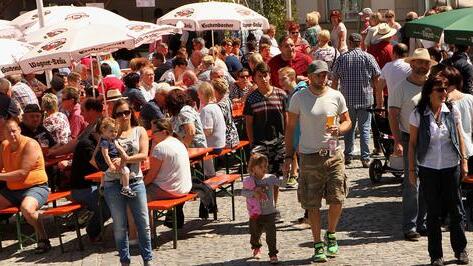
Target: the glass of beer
pixel 330 121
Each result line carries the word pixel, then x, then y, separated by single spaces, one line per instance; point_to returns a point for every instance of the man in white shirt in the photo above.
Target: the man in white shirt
pixel 392 73
pixel 401 102
pixel 147 84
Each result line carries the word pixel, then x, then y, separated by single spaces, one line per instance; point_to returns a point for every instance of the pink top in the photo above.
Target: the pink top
pixel 76 121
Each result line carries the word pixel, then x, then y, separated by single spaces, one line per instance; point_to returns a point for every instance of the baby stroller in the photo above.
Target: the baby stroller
pixel 392 164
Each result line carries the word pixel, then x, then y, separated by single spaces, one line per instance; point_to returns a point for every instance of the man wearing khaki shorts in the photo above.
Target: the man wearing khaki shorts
pixel 322 161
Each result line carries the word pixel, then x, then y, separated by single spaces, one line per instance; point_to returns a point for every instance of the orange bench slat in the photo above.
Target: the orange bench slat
pixel 58 195
pixel 10 210
pixel 52 197
pixel 169 203
pixel 217 181
pixel 61 210
pixel 468 179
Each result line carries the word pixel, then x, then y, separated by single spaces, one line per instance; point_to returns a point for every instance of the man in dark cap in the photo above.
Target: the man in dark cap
pixel 31 126
pixel 356 71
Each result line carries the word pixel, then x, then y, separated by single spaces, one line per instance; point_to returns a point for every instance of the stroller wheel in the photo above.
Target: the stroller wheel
pixel 398 175
pixel 376 171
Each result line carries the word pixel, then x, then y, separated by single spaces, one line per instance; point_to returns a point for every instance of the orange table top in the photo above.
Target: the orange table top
pixel 195 153
pixel 237 110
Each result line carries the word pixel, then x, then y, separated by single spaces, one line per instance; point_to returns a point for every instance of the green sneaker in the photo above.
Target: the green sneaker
pixel 319 254
pixel 332 245
pixel 291 182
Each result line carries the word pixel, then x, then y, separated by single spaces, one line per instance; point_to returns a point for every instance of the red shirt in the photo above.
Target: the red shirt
pixel 111 82
pixel 299 64
pixel 76 121
pixel 383 53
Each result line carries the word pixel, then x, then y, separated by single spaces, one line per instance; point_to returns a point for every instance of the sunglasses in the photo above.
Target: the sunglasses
pixel 388 16
pixel 123 113
pixel 295 32
pixel 440 89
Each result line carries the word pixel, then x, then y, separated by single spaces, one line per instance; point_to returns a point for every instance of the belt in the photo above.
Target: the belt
pixel 131 181
pixel 325 152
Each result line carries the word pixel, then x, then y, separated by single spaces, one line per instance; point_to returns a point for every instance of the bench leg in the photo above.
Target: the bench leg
pixel 154 235
pixel 174 227
pixel 242 162
pixel 18 231
pixel 233 201
pixel 59 232
pixel 216 206
pixel 227 163
pixel 79 237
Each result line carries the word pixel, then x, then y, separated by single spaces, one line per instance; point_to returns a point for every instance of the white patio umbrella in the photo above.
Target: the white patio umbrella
pixel 10 52
pixel 8 31
pixel 29 22
pixel 31 17
pixel 142 32
pixel 215 16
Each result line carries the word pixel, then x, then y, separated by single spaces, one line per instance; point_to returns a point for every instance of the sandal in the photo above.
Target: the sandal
pixel 43 246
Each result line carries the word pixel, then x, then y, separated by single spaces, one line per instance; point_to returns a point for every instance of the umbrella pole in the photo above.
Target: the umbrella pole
pixel 39 7
pixel 92 75
pixel 213 39
pixel 103 88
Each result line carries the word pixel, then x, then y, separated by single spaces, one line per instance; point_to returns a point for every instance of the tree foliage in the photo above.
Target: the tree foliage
pixel 273 10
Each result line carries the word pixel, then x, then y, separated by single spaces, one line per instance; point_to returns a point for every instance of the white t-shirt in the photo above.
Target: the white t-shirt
pixel 394 72
pixel 441 153
pixel 465 107
pixel 148 93
pixel 313 111
pixel 405 97
pixel 174 175
pixel 212 118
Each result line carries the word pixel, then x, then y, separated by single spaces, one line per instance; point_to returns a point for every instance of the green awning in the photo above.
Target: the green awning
pixel 457 26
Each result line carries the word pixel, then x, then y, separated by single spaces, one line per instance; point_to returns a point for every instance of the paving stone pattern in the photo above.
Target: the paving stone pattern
pixel 369 233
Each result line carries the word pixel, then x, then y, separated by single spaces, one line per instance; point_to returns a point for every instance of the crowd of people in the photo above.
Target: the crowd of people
pixel 299 96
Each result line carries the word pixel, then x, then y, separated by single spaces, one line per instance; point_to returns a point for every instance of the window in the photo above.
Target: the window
pixel 349 8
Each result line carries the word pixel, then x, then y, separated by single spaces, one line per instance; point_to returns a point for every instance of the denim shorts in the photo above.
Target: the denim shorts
pixel 15 197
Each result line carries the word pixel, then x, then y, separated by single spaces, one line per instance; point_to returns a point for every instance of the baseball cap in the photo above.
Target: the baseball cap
pixel 366 11
pixel 317 66
pixel 32 108
pixel 355 37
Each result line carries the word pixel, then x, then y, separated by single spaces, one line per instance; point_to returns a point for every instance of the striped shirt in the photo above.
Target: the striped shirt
pixel 356 69
pixel 268 114
pixel 24 95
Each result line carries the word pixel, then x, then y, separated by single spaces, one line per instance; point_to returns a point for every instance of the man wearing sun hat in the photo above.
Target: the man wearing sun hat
pixel 401 102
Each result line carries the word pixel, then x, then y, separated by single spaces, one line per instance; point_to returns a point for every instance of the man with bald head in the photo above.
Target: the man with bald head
pixel 195 60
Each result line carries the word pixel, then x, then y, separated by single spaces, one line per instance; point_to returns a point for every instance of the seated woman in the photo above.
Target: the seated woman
pixel 185 120
pixel 22 168
pixel 55 122
pixel 169 175
pixel 211 117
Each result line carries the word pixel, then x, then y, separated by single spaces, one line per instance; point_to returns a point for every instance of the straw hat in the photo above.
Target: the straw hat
pixel 383 31
pixel 114 95
pixel 420 54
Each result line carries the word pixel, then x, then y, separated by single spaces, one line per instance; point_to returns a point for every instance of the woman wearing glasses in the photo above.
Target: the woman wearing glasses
pixel 302 46
pixel 390 18
pixel 437 144
pixel 134 140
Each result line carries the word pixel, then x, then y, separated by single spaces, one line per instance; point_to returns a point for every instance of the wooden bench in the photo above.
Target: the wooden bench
pixel 158 208
pixel 22 238
pixel 63 210
pixel 223 183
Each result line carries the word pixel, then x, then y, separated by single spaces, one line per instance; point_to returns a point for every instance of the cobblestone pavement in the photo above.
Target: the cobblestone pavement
pixel 369 233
